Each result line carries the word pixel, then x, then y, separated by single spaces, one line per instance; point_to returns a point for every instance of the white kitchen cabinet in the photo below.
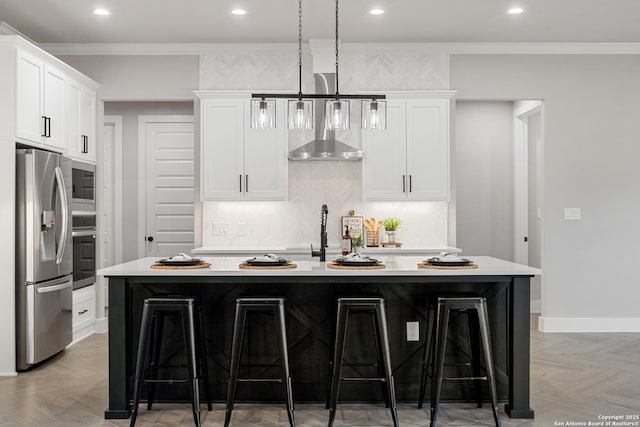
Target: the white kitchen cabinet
pixel 409 160
pixel 84 312
pixel 81 121
pixel 39 113
pixel 237 162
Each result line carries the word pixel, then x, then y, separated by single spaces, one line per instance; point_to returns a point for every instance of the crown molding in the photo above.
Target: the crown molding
pixel 140 49
pixel 8 30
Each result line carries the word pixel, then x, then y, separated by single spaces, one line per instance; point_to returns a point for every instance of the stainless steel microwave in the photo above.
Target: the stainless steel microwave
pixel 83 192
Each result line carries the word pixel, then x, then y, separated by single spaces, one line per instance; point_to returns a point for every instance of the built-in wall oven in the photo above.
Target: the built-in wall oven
pixel 83 231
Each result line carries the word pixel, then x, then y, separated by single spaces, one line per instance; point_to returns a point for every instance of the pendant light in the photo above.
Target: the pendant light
pixel 374 114
pixel 300 105
pixel 263 113
pixel 300 110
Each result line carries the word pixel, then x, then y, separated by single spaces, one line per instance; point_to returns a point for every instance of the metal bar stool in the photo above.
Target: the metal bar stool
pixel 375 306
pixel 433 360
pixel 243 307
pixel 153 315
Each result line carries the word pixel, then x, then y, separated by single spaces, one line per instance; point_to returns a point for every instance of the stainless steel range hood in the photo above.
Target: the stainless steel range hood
pixel 325 146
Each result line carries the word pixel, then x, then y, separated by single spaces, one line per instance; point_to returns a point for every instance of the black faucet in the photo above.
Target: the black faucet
pixel 322 253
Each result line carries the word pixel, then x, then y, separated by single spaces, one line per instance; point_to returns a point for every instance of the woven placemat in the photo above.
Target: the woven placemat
pixel 447 267
pixel 349 267
pixel 246 266
pixel 180 267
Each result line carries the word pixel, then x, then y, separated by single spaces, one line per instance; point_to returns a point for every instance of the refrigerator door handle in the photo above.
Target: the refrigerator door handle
pixel 54 288
pixel 65 215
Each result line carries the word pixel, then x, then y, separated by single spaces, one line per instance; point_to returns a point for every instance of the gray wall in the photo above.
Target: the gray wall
pixel 484 178
pixel 130 112
pixel 591 151
pixel 140 78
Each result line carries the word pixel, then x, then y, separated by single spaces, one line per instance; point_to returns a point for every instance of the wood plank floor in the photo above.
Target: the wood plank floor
pixel 575 377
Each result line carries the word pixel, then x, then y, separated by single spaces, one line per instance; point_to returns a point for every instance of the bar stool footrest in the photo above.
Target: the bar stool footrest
pixel 260 380
pixel 363 379
pixel 168 381
pixel 465 379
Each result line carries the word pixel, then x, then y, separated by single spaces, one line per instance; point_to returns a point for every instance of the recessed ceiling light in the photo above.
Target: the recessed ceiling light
pixel 102 12
pixel 376 11
pixel 239 12
pixel 515 11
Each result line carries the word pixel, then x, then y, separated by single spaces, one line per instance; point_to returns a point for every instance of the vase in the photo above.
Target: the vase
pixel 392 236
pixel 357 249
pixel 372 239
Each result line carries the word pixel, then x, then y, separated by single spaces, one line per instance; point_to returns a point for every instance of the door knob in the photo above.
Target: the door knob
pixel 150 238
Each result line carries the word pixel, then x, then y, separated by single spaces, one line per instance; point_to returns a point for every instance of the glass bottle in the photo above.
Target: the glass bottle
pixel 346 241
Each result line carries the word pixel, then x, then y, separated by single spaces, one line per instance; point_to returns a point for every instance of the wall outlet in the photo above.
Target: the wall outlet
pixel 242 229
pixel 573 214
pixel 220 228
pixel 413 331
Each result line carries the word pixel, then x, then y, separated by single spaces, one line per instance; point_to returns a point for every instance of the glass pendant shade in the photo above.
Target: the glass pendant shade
pixel 263 113
pixel 300 114
pixel 374 114
pixel 337 114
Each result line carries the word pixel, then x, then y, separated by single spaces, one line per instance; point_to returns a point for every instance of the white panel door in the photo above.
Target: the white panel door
pixel 385 157
pixel 222 138
pixel 54 107
pixel 265 159
pixel 169 187
pixel 428 149
pixel 29 82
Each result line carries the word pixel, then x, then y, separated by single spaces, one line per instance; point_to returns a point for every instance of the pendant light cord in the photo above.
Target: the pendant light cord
pixel 337 85
pixel 300 49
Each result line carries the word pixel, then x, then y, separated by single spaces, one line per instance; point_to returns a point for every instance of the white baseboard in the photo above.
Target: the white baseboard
pixel 589 324
pixel 8 374
pixel 82 334
pixel 536 306
pixel 102 325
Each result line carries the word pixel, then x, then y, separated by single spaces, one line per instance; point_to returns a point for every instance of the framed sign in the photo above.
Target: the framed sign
pixel 355 224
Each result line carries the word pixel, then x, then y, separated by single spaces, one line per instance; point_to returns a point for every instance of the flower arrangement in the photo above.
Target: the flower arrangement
pixel 391 224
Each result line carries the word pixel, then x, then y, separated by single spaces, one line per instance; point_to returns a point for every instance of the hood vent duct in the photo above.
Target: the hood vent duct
pixel 325 146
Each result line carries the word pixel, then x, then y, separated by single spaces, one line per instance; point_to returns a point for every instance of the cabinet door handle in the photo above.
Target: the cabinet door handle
pixel 404 183
pixel 410 176
pixel 48 126
pixel 246 183
pixel 83 311
pixel 85 144
pixel 240 183
pixel 44 120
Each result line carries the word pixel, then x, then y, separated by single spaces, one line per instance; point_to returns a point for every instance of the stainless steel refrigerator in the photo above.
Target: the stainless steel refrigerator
pixel 44 258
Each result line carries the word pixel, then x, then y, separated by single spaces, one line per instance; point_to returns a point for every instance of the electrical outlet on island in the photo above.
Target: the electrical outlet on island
pixel 413 331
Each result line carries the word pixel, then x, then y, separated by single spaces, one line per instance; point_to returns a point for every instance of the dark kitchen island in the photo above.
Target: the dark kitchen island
pixel 311 290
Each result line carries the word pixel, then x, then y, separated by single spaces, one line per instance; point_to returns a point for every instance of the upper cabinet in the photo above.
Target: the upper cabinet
pixel 39 100
pixel 81 121
pixel 54 106
pixel 237 162
pixel 409 160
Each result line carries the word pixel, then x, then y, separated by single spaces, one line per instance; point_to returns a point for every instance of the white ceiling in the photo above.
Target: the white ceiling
pixel 199 21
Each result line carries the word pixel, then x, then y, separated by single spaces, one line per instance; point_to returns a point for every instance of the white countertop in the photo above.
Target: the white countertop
pixel 333 250
pixel 395 266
